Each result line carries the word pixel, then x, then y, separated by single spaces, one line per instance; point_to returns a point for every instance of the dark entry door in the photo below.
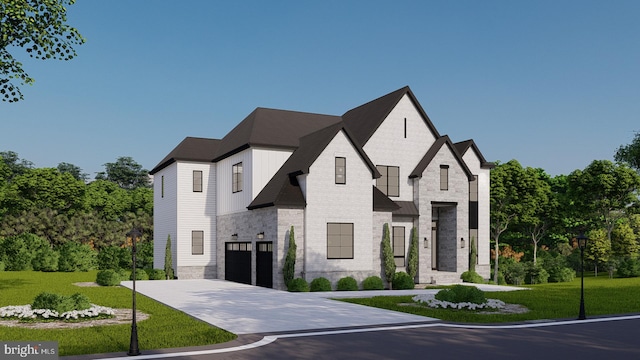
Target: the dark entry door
pixel 264 264
pixel 237 262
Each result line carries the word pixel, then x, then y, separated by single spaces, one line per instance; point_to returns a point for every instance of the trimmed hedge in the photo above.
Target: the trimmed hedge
pixel 156 274
pixel 298 285
pixel 140 275
pixel 462 293
pixel 347 284
pixel 61 303
pixel 108 278
pixel 403 281
pixel 320 284
pixel 472 277
pixel 373 283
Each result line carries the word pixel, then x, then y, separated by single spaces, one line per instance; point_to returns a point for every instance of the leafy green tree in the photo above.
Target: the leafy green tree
pixel 598 248
pixel 76 257
pixel 412 259
pixel 289 270
pixel 630 153
pixel 125 172
pixel 388 261
pixel 108 199
pixel 40 28
pixel 45 188
pixel 14 165
pixel 74 170
pixel 168 260
pixel 624 241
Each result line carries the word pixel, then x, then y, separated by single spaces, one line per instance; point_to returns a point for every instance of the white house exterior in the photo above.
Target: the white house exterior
pixel 229 204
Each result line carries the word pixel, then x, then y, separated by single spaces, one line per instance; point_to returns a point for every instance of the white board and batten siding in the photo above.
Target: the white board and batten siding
pixel 165 213
pixel 328 202
pixel 484 204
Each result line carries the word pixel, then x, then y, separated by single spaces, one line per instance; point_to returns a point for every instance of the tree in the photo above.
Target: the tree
pixel 125 172
pixel 598 248
pixel 168 260
pixel 387 256
pixel 45 188
pixel 289 270
pixel 624 241
pixel 40 28
pixel 630 153
pixel 14 165
pixel 412 260
pixel 537 220
pixel 473 255
pixel 74 170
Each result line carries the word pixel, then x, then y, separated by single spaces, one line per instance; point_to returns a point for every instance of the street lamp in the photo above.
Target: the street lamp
pixel 134 234
pixel 582 244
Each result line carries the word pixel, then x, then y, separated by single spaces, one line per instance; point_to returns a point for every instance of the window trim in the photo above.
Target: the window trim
pixel 236 177
pixel 444 177
pixel 197 187
pixel 193 242
pixel 340 239
pixel 396 257
pixel 344 170
pixel 384 180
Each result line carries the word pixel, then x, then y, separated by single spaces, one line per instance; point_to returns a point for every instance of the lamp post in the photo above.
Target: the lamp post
pixel 582 244
pixel 134 234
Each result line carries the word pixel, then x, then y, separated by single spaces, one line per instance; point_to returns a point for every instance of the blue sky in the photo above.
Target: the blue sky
pixel 553 84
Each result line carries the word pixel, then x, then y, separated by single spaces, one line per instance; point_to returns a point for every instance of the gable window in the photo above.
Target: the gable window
pixel 197 242
pixel 341 170
pixel 389 181
pixel 339 240
pixel 237 178
pixel 398 245
pixel 405 128
pixel 197 181
pixel 444 177
pixel 162 186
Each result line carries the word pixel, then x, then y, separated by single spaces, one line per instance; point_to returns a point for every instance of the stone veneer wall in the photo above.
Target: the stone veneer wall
pixel 196 272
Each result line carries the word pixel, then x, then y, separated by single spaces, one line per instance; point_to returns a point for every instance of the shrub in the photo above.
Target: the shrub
pixel 373 283
pixel 81 301
pixel 156 274
pixel 289 270
pixel 412 258
pixel 403 281
pixel 144 256
pixel 108 277
pixel 46 260
pixel 462 293
pixel 61 303
pixel 298 285
pixel 16 253
pixel 387 255
pixel 168 262
pixel 628 267
pixel 347 284
pixel 557 268
pixel 114 257
pixel 472 277
pixel 2 265
pixel 320 284
pixel 76 257
pixel 514 273
pixel 140 275
pixel 536 274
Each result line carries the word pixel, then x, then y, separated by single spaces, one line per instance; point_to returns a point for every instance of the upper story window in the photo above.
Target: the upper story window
pixel 237 178
pixel 341 170
pixel 197 181
pixel 444 177
pixel 389 182
pixel 162 186
pixel 473 189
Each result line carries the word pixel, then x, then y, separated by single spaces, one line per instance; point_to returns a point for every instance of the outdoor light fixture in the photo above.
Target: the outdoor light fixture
pixel 260 235
pixel 426 243
pixel 234 237
pixel 461 243
pixel 582 244
pixel 135 235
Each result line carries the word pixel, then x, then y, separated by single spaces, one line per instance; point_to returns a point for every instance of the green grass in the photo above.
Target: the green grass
pixel 166 328
pixel 603 296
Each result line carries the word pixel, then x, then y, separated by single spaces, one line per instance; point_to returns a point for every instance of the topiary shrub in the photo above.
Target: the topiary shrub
pixel 140 275
pixel 320 284
pixel 628 267
pixel 298 285
pixel 472 277
pixel 462 293
pixel 156 274
pixel 373 283
pixel 403 281
pixel 108 278
pixel 347 283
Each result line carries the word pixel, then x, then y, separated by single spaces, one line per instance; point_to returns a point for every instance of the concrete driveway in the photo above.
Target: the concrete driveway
pixel 245 309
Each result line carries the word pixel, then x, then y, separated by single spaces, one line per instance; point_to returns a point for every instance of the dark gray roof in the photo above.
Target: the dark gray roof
pixel 364 120
pixel 283 189
pixel 272 128
pixel 406 208
pixel 462 148
pixel 428 157
pixel 381 202
pixel 189 149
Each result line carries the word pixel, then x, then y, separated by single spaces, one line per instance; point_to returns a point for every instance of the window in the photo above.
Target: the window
pixel 398 245
pixel 389 182
pixel 473 189
pixel 237 178
pixel 341 170
pixel 444 177
pixel 197 181
pixel 197 242
pixel 162 186
pixel 405 128
pixel 339 241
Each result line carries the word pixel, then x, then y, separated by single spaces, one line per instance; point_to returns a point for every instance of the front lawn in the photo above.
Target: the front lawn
pixel 166 328
pixel 603 296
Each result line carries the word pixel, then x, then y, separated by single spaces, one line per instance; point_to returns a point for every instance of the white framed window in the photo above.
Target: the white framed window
pixel 236 179
pixel 197 181
pixel 197 242
pixel 444 177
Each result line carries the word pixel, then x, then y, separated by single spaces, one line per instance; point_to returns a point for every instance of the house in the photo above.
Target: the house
pixel 229 204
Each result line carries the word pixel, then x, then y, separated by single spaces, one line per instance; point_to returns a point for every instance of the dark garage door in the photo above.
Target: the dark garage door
pixel 237 262
pixel 264 264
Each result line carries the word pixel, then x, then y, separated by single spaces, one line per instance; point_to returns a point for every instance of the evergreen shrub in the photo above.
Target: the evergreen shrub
pixel 472 277
pixel 373 283
pixel 61 303
pixel 347 284
pixel 108 277
pixel 320 284
pixel 536 274
pixel 156 274
pixel 298 285
pixel 140 275
pixel 76 257
pixel 403 281
pixel 462 293
pixel 628 267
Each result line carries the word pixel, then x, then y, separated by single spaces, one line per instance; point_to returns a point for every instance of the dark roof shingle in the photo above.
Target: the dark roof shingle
pixel 189 149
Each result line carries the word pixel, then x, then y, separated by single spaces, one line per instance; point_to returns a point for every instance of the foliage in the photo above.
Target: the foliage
pixel 168 261
pixel 320 284
pixel 628 267
pixel 630 153
pixel 76 257
pixel 144 255
pixel 598 248
pixel 412 259
pixel 372 283
pixel 46 259
pixel 26 252
pixel 389 263
pixel 108 277
pixel 61 303
pixel 462 293
pixel 289 270
pixel 624 240
pixel 298 285
pixel 347 283
pixel 536 274
pixel 126 173
pixel 472 277
pixel 44 188
pixel 40 28
pixel 72 170
pixel 556 267
pixel 403 281
pixel 156 274
pixel 473 254
pixel 114 257
pixel 514 272
pixel 140 274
